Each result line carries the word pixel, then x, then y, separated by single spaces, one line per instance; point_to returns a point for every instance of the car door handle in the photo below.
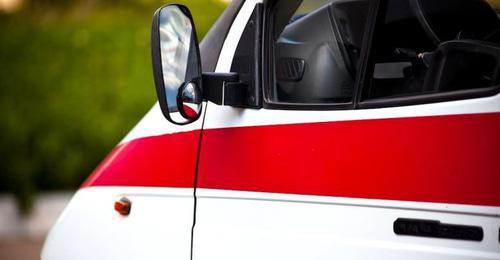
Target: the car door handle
pixel 436 229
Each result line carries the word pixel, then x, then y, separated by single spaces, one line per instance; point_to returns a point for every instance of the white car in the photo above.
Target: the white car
pixel 344 129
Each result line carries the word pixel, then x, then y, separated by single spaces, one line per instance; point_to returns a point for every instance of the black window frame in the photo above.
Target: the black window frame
pixel 363 77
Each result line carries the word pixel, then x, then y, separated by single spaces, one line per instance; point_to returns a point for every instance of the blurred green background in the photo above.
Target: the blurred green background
pixel 75 76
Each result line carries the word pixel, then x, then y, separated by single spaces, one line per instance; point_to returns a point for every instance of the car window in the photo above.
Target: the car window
pixel 424 47
pixel 316 52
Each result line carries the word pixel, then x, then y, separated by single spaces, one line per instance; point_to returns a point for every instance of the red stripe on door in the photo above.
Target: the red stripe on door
pixel 446 159
pixel 158 161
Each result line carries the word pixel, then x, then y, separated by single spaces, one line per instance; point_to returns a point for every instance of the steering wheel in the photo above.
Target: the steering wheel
pixel 446 20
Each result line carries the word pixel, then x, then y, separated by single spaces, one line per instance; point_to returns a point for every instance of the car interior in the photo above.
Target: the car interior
pixel 419 47
pixel 435 46
pixel 319 50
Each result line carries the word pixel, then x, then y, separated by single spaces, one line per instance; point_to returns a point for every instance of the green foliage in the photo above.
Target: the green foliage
pixel 72 84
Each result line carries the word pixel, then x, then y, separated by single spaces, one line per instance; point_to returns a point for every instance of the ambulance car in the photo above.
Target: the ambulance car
pixel 306 129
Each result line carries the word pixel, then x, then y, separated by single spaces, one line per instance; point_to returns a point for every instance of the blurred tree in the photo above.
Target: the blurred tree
pixel 73 82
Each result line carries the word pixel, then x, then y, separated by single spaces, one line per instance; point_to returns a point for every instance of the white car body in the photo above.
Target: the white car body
pixel 219 216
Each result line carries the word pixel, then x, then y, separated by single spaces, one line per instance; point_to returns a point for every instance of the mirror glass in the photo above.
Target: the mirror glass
pixel 180 66
pixel 189 101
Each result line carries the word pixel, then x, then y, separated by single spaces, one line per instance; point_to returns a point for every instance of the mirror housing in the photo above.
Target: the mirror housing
pixel 176 64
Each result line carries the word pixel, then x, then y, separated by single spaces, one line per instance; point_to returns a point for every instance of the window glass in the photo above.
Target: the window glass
pixel 435 46
pixel 316 50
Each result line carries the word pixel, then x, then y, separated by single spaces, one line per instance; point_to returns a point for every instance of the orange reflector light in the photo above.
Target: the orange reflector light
pixel 123 206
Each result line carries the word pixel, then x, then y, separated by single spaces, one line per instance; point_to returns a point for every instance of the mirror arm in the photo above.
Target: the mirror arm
pixel 224 89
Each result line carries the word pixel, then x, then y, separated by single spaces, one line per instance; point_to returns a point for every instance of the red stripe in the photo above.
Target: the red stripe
pixel 448 159
pixel 157 161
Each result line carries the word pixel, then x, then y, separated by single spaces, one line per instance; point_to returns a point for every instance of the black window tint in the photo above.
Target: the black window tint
pixel 316 54
pixel 426 47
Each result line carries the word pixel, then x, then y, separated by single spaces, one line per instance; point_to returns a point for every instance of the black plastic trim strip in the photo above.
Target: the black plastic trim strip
pixel 366 62
pixel 430 98
pixel 247 62
pixel 214 84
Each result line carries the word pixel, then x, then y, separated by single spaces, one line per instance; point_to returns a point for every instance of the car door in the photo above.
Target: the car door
pixel 352 156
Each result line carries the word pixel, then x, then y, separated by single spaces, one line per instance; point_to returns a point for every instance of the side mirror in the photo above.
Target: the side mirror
pixel 176 64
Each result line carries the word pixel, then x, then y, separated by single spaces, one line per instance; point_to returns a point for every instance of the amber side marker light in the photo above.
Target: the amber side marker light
pixel 123 206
